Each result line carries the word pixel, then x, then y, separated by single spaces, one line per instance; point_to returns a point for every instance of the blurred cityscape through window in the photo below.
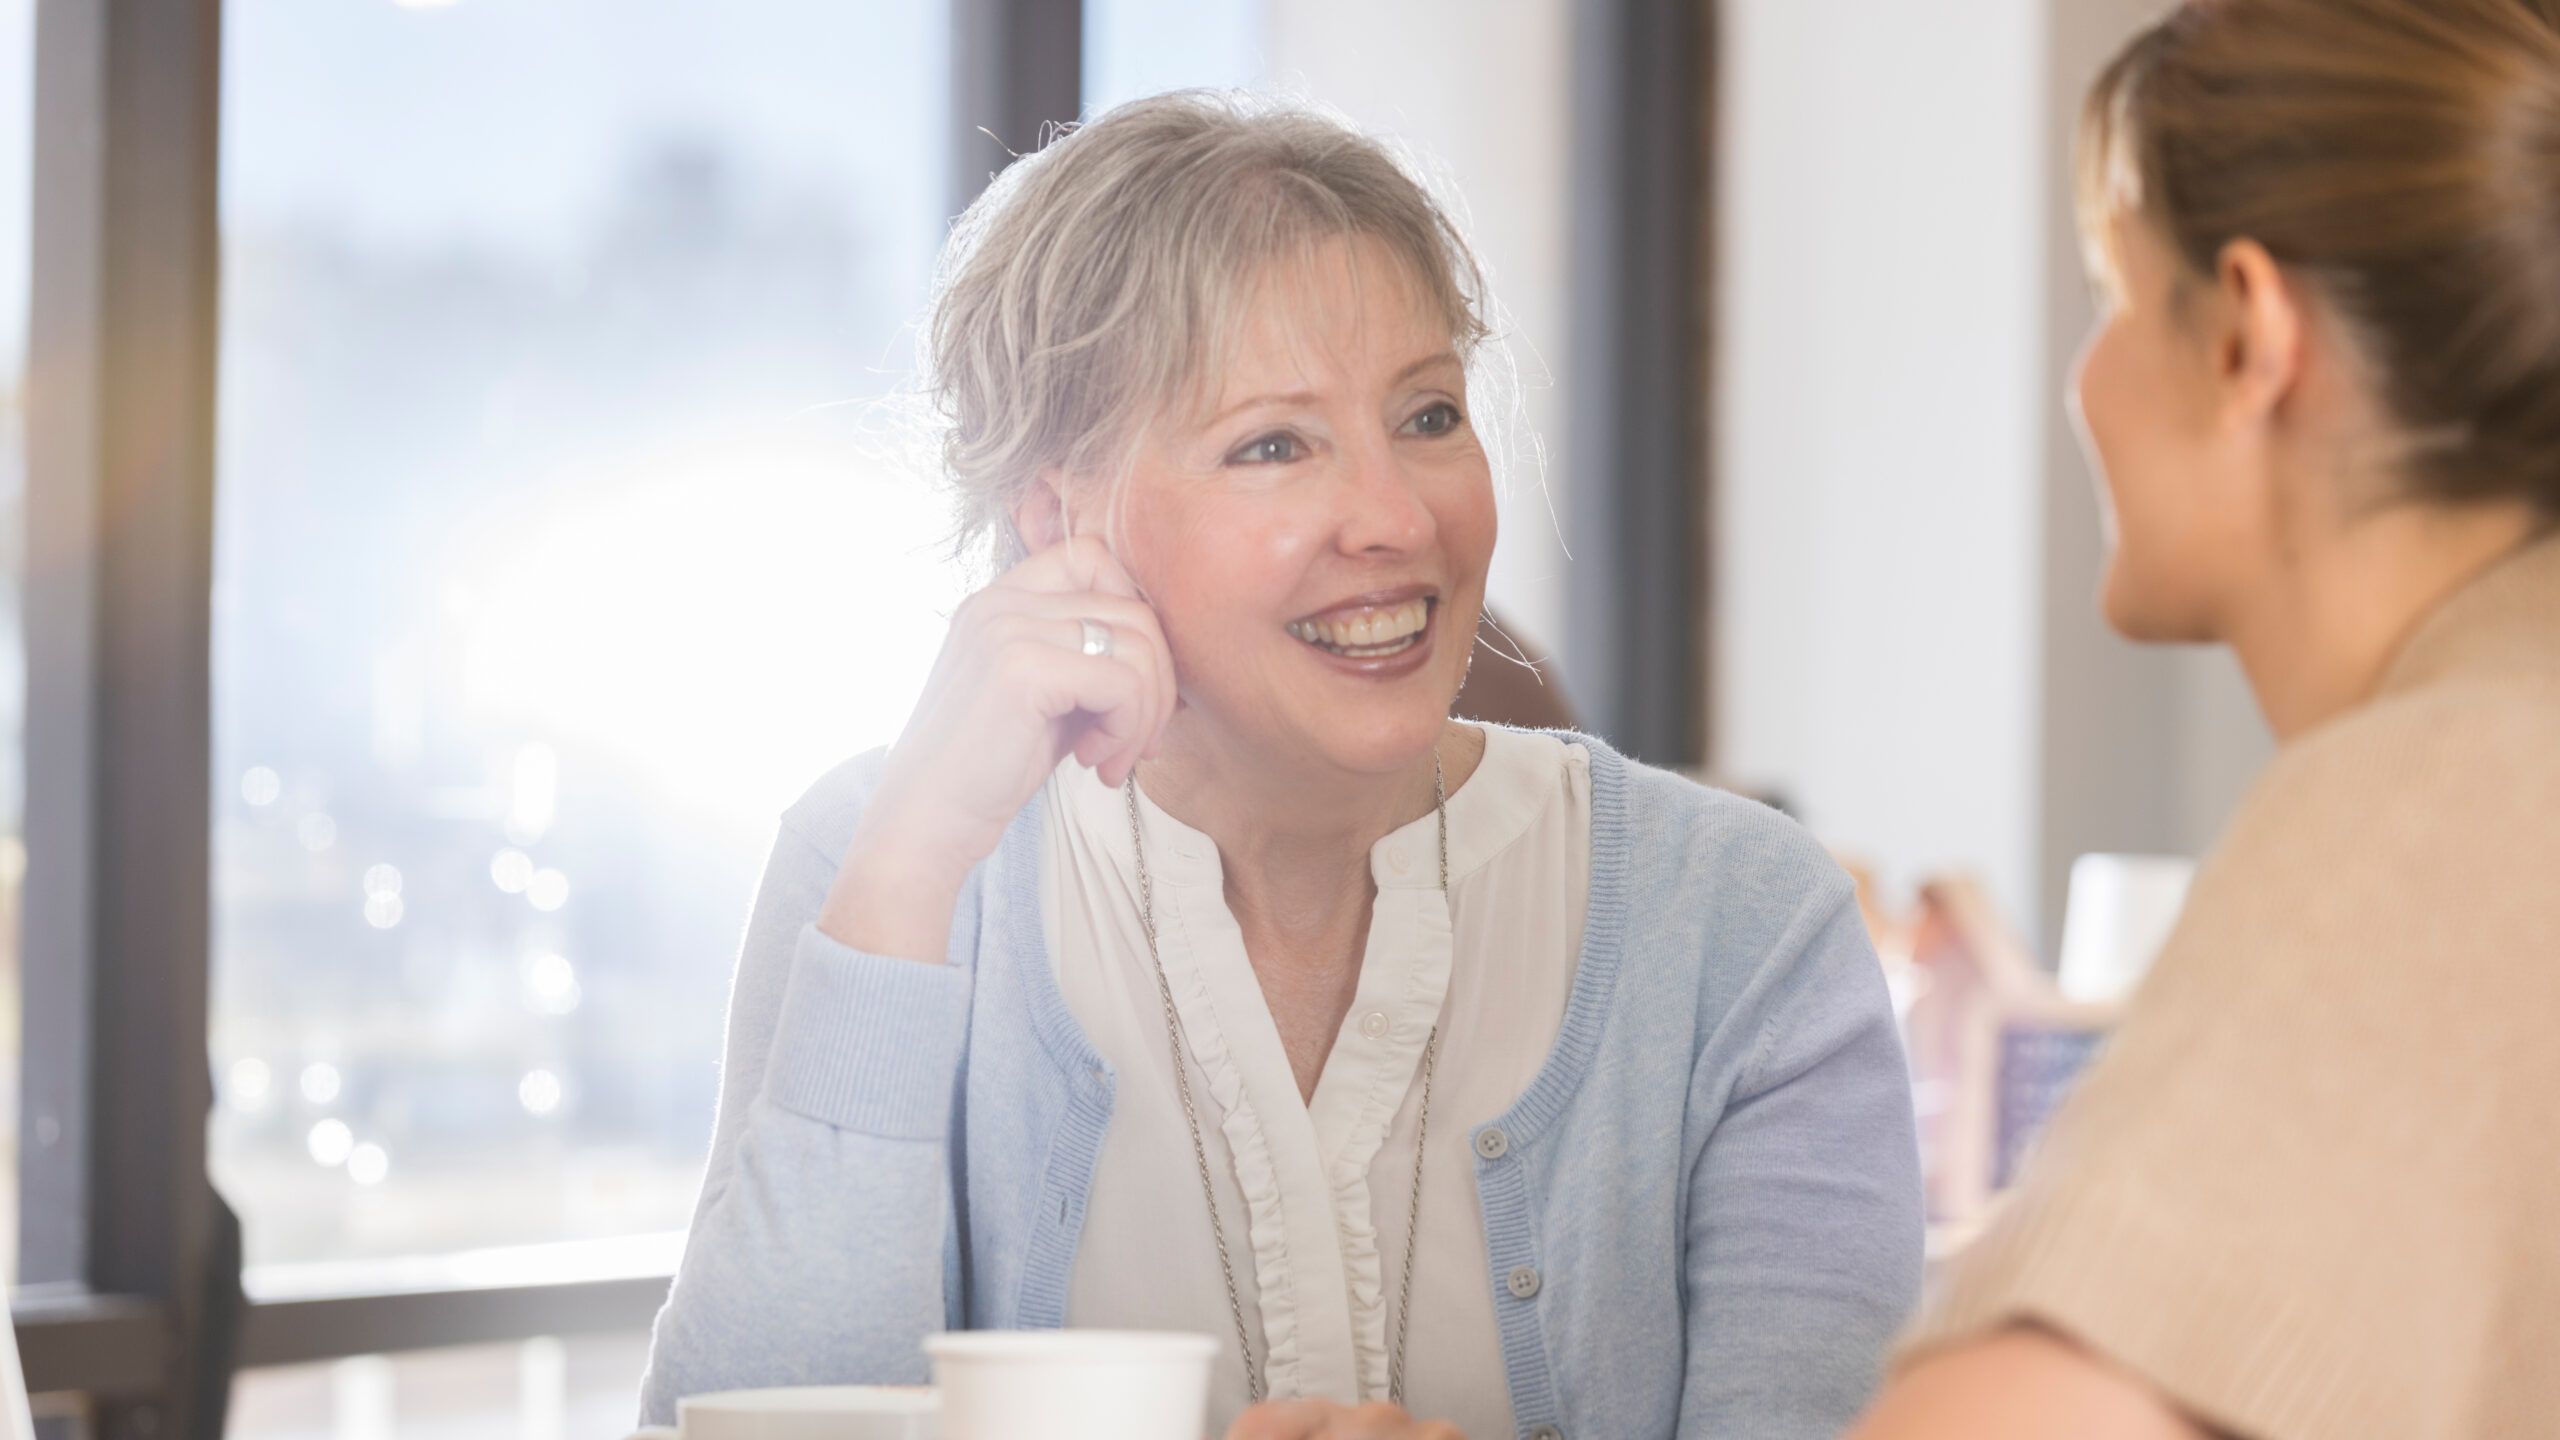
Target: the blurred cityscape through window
pixel 560 544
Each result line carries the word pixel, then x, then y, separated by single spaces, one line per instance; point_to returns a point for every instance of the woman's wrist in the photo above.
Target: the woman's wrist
pixel 894 895
pixel 882 915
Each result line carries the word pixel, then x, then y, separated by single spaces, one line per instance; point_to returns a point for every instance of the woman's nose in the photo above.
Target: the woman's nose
pixel 1382 505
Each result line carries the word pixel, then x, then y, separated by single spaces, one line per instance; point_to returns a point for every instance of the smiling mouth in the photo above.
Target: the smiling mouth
pixel 1368 634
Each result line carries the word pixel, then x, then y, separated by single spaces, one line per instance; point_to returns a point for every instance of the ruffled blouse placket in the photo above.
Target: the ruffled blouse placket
pixel 1303 1167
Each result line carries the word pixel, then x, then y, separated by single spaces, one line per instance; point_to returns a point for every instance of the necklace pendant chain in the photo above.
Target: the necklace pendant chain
pixel 1256 1388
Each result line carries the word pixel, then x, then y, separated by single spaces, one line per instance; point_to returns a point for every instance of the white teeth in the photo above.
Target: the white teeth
pixel 1377 631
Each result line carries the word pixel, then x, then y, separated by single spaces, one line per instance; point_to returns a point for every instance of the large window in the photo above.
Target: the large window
pixel 559 543
pixel 561 530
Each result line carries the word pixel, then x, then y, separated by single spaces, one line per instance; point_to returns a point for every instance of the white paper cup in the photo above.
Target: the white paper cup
pixel 809 1412
pixel 1071 1384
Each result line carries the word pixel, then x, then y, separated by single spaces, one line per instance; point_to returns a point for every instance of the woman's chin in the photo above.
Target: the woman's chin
pixel 1379 744
pixel 1371 735
pixel 1359 725
pixel 2148 612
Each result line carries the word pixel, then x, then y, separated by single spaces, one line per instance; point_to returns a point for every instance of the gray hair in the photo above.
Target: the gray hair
pixel 1093 286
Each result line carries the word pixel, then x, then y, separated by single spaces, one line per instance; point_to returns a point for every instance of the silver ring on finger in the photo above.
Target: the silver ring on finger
pixel 1097 637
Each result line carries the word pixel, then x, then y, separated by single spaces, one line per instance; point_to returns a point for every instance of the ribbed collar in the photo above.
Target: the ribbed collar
pixel 2505 621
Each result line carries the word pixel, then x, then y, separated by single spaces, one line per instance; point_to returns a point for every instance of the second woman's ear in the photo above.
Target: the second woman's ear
pixel 2262 346
pixel 1040 516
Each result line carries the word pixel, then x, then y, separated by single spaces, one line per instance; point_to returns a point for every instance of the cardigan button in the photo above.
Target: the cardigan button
pixel 1546 1432
pixel 1492 1144
pixel 1523 1282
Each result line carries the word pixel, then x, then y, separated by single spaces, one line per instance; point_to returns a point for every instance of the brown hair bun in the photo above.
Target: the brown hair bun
pixel 2402 157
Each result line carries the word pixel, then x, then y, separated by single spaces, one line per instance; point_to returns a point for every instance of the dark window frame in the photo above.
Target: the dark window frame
pixel 1638 489
pixel 122 1241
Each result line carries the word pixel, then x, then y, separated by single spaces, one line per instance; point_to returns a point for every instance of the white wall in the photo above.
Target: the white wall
pixel 1908 544
pixel 1881 423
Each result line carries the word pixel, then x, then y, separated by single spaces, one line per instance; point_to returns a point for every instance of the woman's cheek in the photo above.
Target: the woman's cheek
pixel 1285 548
pixel 1471 522
pixel 1235 564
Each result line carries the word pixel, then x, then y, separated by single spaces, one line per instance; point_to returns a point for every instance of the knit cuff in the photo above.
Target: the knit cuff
pixel 868 1043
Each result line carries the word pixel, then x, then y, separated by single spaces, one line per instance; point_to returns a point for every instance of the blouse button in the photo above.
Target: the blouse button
pixel 1492 1144
pixel 1374 1024
pixel 1523 1282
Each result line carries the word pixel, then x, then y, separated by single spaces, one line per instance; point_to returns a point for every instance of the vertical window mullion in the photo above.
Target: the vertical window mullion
pixel 120 504
pixel 1017 67
pixel 1637 507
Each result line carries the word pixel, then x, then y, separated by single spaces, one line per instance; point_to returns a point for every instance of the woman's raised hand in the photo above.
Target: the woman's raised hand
pixel 1014 692
pixel 1325 1420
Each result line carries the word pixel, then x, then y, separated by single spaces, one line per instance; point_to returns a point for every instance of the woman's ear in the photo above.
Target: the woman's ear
pixel 2260 348
pixel 1040 516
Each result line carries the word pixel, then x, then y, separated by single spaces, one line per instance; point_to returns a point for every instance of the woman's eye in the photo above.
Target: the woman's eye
pixel 1439 419
pixel 1276 448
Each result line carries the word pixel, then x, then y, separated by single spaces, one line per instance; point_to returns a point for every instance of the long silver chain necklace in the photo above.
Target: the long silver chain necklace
pixel 1253 1381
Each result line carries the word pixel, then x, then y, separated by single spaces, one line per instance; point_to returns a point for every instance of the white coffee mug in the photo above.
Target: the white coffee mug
pixel 1071 1384
pixel 806 1412
pixel 2119 913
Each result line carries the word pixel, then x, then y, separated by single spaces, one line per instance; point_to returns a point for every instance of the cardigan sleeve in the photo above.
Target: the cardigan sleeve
pixel 1802 1253
pixel 817 1249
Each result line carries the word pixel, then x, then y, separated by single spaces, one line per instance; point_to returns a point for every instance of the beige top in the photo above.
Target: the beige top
pixel 2313 1187
pixel 1314 1193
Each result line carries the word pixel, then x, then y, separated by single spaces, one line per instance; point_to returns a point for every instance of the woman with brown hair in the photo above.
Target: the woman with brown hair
pixel 2314 1187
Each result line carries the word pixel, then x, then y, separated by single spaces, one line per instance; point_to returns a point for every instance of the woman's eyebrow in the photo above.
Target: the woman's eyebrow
pixel 1436 358
pixel 1294 397
pixel 1309 397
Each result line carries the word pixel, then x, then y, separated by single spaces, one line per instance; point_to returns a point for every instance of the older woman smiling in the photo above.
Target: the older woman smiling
pixel 1185 966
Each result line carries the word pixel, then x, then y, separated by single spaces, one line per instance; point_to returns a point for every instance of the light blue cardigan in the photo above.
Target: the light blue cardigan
pixel 1714 1172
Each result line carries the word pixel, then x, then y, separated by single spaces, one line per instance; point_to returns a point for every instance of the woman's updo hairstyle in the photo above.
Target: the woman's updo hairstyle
pixel 1095 284
pixel 2400 156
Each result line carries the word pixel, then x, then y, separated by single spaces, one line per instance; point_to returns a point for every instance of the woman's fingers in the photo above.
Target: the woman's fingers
pixel 1080 562
pixel 1112 697
pixel 1013 692
pixel 1133 636
pixel 1283 1420
pixel 1110 689
pixel 1379 1420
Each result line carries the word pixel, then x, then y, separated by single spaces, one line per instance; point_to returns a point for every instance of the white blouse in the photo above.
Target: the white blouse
pixel 1314 1194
